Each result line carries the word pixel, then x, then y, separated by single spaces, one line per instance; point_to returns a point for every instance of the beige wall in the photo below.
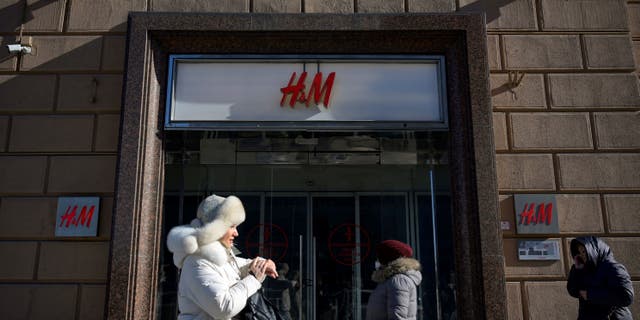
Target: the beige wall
pixel 59 118
pixel 571 128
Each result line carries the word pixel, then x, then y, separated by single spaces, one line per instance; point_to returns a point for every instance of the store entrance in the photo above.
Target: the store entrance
pixel 333 250
pixel 320 221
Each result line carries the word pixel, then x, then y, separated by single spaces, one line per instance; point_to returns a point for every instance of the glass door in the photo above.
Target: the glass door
pixel 317 204
pixel 384 215
pixel 280 236
pixel 323 245
pixel 337 249
pixel 329 261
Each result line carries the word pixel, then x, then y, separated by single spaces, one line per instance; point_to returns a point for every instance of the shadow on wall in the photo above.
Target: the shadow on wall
pixel 490 7
pixel 86 70
pixel 85 54
pixel 73 89
pixel 15 13
pixel 72 85
pixel 7 59
pixel 75 74
pixel 11 17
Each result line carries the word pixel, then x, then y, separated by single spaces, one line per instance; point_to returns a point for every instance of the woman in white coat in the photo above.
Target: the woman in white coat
pixel 214 283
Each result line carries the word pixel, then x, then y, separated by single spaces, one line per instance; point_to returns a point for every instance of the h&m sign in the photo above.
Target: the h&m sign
pixel 536 213
pixel 229 91
pixel 317 91
pixel 77 216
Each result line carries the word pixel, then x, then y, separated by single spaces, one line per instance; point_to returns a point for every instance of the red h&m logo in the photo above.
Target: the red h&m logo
pixel 317 90
pixel 544 214
pixel 77 216
pixel 84 219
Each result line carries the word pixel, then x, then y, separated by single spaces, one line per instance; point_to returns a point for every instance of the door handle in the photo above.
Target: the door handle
pixel 307 282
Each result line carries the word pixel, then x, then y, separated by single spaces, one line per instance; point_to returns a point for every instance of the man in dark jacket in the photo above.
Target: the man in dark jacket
pixel 601 284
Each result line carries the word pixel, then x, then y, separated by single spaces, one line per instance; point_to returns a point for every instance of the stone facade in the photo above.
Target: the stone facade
pixel 570 128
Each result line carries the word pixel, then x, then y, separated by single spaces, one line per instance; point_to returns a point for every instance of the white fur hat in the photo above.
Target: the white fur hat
pixel 217 214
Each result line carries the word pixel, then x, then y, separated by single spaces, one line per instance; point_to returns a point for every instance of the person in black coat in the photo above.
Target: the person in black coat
pixel 601 284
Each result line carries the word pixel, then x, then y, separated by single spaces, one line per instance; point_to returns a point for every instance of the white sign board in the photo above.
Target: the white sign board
pixel 77 216
pixel 282 92
pixel 538 250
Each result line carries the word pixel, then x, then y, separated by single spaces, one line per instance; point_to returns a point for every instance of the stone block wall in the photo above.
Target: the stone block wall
pixel 571 128
pixel 59 121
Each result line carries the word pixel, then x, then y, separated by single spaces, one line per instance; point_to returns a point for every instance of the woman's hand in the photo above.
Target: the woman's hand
pixel 271 269
pixel 258 268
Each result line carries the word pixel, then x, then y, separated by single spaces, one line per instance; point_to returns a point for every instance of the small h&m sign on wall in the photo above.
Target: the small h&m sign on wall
pixel 536 213
pixel 77 216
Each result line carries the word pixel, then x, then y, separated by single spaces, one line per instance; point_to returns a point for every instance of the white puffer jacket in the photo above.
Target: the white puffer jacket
pixel 214 284
pixel 396 296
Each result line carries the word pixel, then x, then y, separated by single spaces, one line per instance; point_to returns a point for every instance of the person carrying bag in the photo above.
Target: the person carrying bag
pixel 214 283
pixel 258 307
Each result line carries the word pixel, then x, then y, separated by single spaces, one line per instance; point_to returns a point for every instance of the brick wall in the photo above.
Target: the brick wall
pixel 571 128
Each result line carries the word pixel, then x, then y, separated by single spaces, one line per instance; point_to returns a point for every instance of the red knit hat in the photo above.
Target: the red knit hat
pixel 390 250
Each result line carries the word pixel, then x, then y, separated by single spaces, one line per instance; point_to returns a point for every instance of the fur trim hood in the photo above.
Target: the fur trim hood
pixel 182 242
pixel 409 266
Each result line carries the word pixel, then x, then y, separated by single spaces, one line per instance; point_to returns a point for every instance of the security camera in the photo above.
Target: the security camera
pixel 19 48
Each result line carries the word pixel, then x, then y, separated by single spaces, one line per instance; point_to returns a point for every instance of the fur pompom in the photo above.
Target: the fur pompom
pixel 182 241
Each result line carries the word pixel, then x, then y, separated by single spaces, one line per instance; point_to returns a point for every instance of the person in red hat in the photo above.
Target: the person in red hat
pixel 398 276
